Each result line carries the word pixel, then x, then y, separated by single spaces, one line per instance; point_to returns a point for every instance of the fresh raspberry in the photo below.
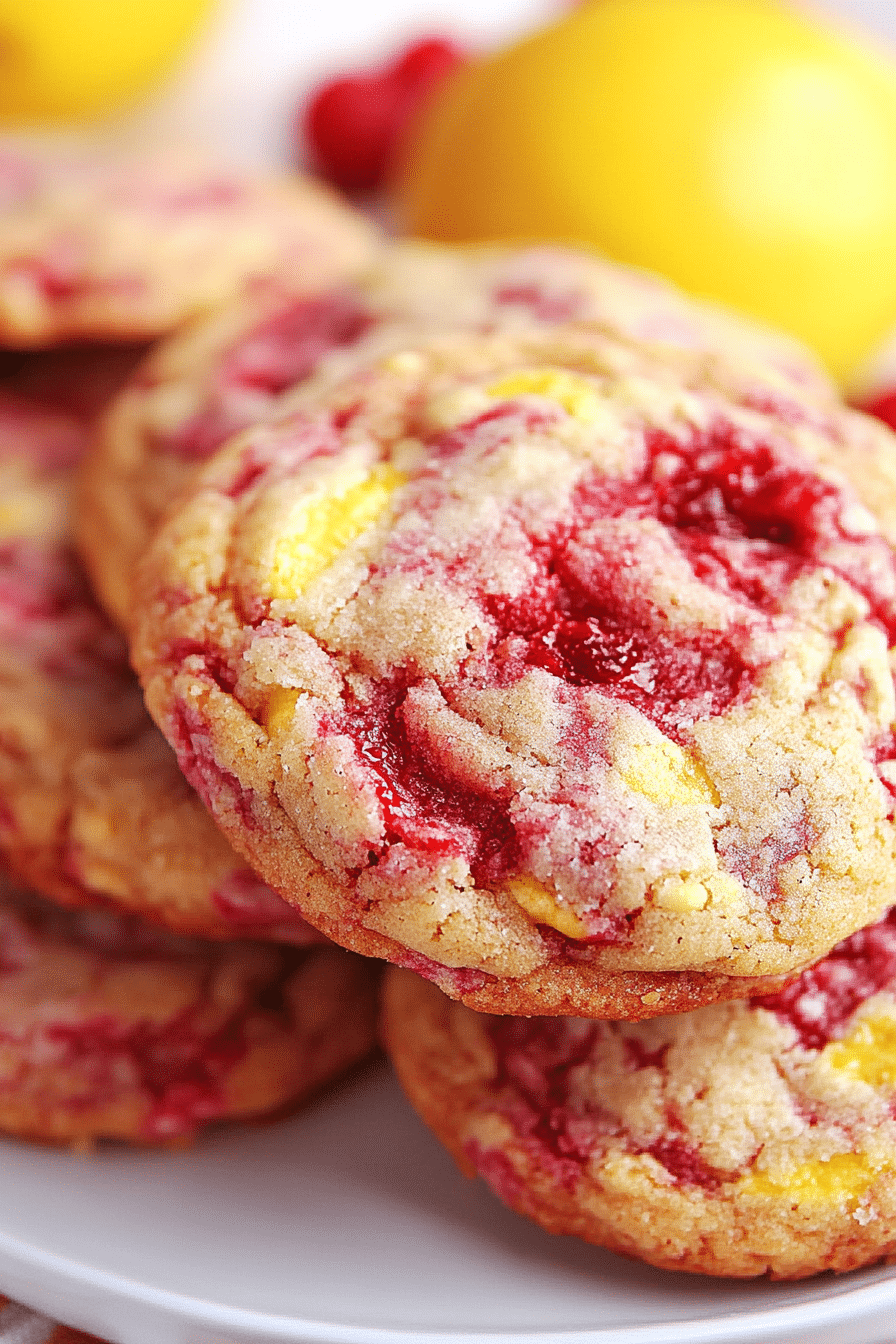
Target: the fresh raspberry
pixel 353 123
pixel 427 60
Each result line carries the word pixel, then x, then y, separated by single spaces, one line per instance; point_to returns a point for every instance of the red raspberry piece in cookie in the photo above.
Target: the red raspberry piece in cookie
pixel 238 365
pixel 111 1029
pixel 98 249
pixel 550 663
pixel 93 808
pixel 742 1139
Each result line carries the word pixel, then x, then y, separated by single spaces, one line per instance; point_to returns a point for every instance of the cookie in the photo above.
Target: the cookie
pixel 112 1029
pixel 548 665
pixel 93 248
pixel 747 1138
pixel 232 368
pixel 93 808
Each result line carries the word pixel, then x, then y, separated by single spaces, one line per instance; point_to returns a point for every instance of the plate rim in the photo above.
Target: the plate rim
pixel 847 1305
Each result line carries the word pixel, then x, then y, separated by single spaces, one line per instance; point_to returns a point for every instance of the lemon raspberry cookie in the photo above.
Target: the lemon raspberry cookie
pixel 112 1029
pixel 93 808
pixel 745 1138
pixel 120 250
pixel 548 665
pixel 235 366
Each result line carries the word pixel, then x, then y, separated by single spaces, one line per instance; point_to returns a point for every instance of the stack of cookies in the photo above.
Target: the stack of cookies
pixel 524 625
pixel 156 984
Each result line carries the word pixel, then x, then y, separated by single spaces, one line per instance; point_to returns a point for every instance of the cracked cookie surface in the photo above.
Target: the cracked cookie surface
pixel 745 1138
pixel 235 366
pixel 93 808
pixel 110 1028
pixel 547 664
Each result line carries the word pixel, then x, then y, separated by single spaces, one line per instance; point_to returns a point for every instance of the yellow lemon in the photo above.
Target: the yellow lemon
pixel 75 58
pixel 743 148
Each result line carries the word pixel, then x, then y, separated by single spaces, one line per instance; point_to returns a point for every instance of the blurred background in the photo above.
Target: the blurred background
pixel 744 148
pixel 241 82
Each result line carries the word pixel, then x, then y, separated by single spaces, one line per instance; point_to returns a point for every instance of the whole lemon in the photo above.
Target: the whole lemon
pixel 75 58
pixel 743 148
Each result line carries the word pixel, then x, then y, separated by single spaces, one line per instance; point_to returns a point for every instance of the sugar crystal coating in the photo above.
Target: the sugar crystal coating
pixel 592 679
pixel 741 1139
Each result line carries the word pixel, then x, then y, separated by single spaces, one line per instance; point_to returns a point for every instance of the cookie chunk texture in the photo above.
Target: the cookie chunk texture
pixel 93 808
pixel 112 1029
pixel 95 248
pixel 744 1138
pixel 239 363
pixel 544 662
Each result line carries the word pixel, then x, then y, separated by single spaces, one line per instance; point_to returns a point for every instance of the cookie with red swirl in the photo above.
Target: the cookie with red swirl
pixel 110 1028
pixel 241 362
pixel 746 1138
pixel 547 663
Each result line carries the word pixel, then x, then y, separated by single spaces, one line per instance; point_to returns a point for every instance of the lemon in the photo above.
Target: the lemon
pixel 746 150
pixel 76 58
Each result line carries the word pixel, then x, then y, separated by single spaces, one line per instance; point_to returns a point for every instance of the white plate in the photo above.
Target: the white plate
pixel 350 1225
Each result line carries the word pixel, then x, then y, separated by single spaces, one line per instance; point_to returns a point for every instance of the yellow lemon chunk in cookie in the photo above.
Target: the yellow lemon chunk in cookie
pixel 681 895
pixel 575 394
pixel 544 906
pixel 29 512
pixel 15 516
pixel 279 710
pixel 662 772
pixel 843 1176
pixel 868 1052
pixel 328 521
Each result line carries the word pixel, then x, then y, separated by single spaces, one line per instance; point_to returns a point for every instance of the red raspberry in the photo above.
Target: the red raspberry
pixel 426 61
pixel 353 123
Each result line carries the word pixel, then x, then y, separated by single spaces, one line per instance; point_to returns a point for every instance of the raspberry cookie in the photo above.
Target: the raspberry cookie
pixel 93 808
pixel 93 249
pixel 745 1138
pixel 546 665
pixel 232 368
pixel 111 1029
